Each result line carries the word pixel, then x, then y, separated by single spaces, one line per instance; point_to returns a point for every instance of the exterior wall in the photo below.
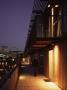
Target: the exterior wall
pixel 65 16
pixel 59 56
pixel 59 64
pixel 46 65
pixel 64 64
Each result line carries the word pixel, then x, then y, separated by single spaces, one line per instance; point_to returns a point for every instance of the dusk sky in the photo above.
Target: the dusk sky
pixel 15 18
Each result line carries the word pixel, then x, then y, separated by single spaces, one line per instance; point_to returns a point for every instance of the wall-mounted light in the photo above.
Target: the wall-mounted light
pixel 56 5
pixel 49 5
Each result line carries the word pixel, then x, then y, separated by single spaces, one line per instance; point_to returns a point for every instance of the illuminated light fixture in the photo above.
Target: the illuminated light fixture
pixel 23 59
pixel 56 5
pixel 49 5
pixel 52 11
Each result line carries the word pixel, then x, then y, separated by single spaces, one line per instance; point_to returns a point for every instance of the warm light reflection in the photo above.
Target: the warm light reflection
pixel 52 86
pixel 52 10
pixel 47 85
pixel 51 65
pixel 54 64
pixel 59 25
pixel 39 82
pixel 56 61
pixel 22 77
pixel 23 59
pixel 52 25
pixel 56 52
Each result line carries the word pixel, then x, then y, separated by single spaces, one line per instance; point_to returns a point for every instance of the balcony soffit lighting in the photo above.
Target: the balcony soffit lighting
pixel 56 5
pixel 49 5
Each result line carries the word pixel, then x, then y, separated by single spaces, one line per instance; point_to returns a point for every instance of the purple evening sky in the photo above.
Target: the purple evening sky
pixel 14 22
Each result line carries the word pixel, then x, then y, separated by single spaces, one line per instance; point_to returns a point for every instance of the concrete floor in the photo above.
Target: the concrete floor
pixel 30 82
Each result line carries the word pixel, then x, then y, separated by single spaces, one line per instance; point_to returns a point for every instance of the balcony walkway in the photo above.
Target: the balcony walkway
pixel 30 82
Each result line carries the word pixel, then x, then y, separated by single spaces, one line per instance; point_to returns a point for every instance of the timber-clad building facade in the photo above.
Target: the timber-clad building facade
pixel 47 39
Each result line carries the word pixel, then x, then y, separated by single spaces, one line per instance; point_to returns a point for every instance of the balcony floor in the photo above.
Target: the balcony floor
pixel 30 82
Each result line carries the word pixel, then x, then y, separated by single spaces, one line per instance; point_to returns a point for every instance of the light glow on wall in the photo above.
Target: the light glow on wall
pixel 22 77
pixel 23 59
pixel 52 12
pixel 51 65
pixel 56 62
pixel 52 25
